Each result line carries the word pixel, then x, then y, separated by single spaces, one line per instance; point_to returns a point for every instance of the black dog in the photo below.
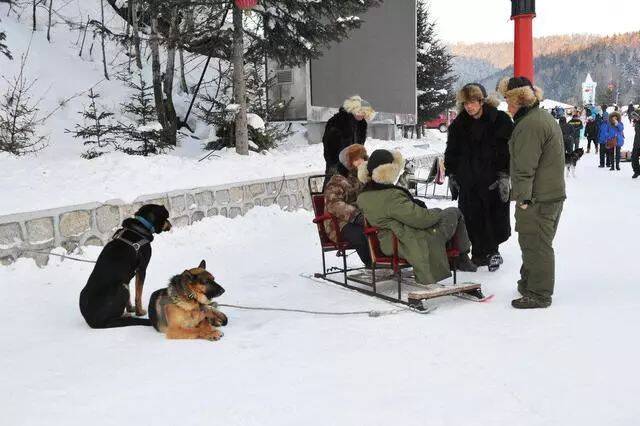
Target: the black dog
pixel 106 296
pixel 571 160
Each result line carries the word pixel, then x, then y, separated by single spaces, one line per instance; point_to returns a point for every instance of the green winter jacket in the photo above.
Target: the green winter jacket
pixel 420 241
pixel 537 157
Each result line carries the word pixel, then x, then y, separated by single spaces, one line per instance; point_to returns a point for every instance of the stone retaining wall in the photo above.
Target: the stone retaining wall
pixel 94 223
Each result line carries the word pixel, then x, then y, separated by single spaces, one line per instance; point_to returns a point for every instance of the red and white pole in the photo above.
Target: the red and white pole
pixel 522 14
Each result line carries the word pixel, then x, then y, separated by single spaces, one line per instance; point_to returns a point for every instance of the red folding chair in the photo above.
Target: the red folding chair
pixel 326 244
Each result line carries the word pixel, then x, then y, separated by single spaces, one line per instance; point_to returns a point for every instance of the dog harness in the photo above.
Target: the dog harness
pixel 137 245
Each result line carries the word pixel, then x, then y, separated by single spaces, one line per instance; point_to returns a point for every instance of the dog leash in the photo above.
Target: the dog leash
pixel 58 255
pixel 371 314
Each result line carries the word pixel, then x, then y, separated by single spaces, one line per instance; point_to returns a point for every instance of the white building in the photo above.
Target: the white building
pixel 589 91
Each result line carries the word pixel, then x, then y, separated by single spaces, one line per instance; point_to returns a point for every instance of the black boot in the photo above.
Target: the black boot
pixel 464 264
pixel 635 175
pixel 495 260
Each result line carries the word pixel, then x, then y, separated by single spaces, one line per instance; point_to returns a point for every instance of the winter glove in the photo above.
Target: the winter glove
pixel 454 187
pixel 358 219
pixel 502 184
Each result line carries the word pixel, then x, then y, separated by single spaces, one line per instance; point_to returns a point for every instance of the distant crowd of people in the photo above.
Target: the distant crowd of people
pixel 604 129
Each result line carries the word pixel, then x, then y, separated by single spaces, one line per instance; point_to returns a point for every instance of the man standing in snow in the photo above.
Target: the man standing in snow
pixel 477 163
pixel 635 154
pixel 347 127
pixel 576 125
pixel 538 188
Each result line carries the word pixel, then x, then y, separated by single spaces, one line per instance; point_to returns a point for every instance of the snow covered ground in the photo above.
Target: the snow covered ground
pixel 464 364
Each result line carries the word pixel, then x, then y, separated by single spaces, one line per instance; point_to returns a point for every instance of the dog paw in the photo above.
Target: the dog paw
pixel 214 335
pixel 141 312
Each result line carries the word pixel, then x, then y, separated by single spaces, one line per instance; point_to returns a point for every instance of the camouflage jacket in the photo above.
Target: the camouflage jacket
pixel 340 200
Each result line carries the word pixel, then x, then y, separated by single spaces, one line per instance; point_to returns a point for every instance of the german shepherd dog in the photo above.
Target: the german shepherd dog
pixel 184 310
pixel 571 161
pixel 106 296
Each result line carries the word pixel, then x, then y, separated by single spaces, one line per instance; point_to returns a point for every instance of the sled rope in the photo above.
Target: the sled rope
pixel 372 314
pixel 58 255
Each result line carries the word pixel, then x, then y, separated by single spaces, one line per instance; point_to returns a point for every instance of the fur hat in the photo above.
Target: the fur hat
pixel 519 90
pixel 357 105
pixel 615 114
pixel 351 153
pixel 383 167
pixel 474 92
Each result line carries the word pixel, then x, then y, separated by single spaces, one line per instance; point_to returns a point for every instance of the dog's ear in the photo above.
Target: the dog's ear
pixel 202 265
pixel 186 277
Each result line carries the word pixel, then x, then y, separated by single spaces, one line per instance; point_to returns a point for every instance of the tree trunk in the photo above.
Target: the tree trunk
pixel 49 24
pixel 104 56
pixel 170 112
pixel 155 69
pixel 86 27
pixel 136 33
pixel 184 88
pixel 34 15
pixel 239 84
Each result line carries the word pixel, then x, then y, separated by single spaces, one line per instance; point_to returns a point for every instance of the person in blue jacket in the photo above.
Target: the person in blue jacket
pixel 613 129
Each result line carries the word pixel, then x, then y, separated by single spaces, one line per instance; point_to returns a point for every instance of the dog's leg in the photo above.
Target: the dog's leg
pixel 216 318
pixel 204 330
pixel 140 311
pixel 129 308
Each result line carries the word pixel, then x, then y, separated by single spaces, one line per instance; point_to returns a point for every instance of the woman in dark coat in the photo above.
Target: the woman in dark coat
pixel 347 127
pixel 477 163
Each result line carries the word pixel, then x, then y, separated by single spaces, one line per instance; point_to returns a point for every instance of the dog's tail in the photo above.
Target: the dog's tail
pixel 122 322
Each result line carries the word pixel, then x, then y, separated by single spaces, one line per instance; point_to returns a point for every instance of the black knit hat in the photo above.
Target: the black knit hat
pixel 516 82
pixel 378 158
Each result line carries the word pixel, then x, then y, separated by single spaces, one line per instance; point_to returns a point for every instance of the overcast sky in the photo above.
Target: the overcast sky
pixel 488 20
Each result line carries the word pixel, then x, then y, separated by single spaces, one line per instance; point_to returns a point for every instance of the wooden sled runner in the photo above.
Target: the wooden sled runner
pixel 385 280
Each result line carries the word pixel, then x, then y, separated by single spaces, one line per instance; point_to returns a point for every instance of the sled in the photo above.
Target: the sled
pixel 385 269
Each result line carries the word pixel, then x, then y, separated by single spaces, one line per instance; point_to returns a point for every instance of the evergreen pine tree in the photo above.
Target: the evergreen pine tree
pixel 435 66
pixel 145 131
pixel 18 118
pixel 98 132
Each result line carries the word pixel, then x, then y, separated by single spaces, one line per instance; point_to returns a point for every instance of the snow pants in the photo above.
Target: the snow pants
pixel 635 157
pixel 536 227
pixel 354 234
pixel 454 229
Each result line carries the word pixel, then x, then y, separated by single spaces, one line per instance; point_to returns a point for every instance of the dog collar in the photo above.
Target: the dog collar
pixel 146 223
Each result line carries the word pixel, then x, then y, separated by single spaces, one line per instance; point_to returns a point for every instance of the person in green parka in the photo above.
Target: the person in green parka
pixel 537 180
pixel 423 233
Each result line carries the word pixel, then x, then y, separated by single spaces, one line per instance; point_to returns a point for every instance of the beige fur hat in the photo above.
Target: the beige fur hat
pixel 357 105
pixel 519 90
pixel 383 167
pixel 351 153
pixel 474 92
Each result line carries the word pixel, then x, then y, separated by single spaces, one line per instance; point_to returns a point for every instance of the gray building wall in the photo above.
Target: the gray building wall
pixel 377 61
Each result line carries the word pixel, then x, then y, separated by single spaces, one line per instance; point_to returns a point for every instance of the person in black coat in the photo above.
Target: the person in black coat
pixel 568 135
pixel 477 163
pixel 591 133
pixel 635 154
pixel 347 127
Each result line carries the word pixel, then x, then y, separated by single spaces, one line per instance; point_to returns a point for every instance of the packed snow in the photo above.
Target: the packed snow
pixel 464 364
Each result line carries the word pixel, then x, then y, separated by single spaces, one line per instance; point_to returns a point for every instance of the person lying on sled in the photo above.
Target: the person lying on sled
pixel 423 233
